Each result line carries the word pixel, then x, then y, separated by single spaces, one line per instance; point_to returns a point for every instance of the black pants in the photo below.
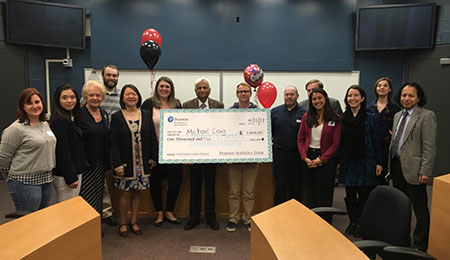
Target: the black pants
pixel 355 200
pixel 319 184
pixel 173 174
pixel 287 175
pixel 419 199
pixel 198 172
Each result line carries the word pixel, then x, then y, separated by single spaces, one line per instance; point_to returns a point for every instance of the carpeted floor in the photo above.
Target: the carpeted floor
pixel 172 242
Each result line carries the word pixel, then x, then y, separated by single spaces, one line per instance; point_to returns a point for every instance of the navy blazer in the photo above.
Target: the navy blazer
pixel 95 137
pixel 70 155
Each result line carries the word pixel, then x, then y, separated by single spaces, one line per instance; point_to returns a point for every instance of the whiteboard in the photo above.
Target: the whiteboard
pixel 223 83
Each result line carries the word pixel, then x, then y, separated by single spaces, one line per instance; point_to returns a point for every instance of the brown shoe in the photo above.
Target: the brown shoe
pixel 123 233
pixel 137 231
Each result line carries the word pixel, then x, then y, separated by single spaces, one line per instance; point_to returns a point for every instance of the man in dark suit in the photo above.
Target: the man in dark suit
pixel 198 172
pixel 315 83
pixel 412 152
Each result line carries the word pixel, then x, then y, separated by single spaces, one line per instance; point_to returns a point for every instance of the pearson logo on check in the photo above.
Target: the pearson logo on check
pixel 177 120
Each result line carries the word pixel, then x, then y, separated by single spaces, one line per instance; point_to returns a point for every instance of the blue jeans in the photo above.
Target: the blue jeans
pixel 29 197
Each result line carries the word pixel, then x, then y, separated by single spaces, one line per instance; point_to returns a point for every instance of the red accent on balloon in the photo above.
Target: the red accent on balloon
pixel 267 93
pixel 253 75
pixel 151 35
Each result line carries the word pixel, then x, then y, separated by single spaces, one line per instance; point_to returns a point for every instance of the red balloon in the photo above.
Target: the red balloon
pixel 151 35
pixel 267 93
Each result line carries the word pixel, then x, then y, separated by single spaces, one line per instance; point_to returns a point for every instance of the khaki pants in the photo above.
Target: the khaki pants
pixel 107 206
pixel 242 175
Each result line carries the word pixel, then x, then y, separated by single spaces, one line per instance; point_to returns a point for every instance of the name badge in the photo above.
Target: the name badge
pixel 49 133
pixel 331 123
pixel 298 121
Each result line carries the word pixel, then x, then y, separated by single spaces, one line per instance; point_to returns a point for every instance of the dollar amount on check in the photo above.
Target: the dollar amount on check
pixel 215 136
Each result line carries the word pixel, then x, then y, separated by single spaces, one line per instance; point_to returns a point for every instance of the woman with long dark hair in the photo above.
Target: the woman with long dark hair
pixel 359 155
pixel 384 110
pixel 134 154
pixel 318 142
pixel 70 155
pixel 164 98
pixel 27 154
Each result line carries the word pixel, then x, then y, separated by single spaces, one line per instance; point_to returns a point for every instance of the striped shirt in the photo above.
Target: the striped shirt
pixel 111 104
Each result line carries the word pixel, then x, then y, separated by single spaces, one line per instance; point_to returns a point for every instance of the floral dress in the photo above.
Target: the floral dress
pixel 141 182
pixel 385 120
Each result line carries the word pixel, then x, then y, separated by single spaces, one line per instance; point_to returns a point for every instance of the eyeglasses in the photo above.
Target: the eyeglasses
pixel 243 91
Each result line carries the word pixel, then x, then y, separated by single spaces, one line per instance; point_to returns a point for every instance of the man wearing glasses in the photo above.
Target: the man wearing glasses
pixel 242 175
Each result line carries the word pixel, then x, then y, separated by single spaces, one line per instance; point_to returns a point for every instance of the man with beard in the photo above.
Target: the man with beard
pixel 110 104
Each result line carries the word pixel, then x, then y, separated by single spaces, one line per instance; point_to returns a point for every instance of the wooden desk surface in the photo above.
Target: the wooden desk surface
pixel 292 231
pixel 439 224
pixel 61 231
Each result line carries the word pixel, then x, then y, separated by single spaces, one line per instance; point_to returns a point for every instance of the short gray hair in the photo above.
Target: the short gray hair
pixel 291 86
pixel 93 83
pixel 197 81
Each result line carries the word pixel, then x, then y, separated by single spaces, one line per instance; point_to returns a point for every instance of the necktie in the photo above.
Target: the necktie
pixel 398 134
pixel 202 106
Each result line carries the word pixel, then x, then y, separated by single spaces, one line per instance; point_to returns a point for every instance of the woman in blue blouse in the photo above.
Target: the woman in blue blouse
pixel 359 155
pixel 384 110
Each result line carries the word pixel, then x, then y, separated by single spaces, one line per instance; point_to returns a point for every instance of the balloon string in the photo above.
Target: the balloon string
pixel 255 98
pixel 152 81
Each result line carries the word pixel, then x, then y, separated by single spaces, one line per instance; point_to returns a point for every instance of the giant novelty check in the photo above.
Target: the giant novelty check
pixel 215 136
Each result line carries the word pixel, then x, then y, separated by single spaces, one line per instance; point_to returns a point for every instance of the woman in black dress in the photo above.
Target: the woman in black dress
pixel 95 127
pixel 164 98
pixel 384 110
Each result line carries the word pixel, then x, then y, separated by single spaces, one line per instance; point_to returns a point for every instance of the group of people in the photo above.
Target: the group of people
pixel 366 144
pixel 113 130
pixel 71 150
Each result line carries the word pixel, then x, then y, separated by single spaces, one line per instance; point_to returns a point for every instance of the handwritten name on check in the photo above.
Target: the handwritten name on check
pixel 215 136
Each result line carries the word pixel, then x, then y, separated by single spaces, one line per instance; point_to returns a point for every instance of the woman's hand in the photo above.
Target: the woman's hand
pixel 152 164
pixel 73 185
pixel 379 170
pixel 316 163
pixel 119 170
pixel 4 174
pixel 308 162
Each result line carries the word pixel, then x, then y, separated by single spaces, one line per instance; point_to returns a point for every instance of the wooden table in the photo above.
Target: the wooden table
pixel 292 231
pixel 67 230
